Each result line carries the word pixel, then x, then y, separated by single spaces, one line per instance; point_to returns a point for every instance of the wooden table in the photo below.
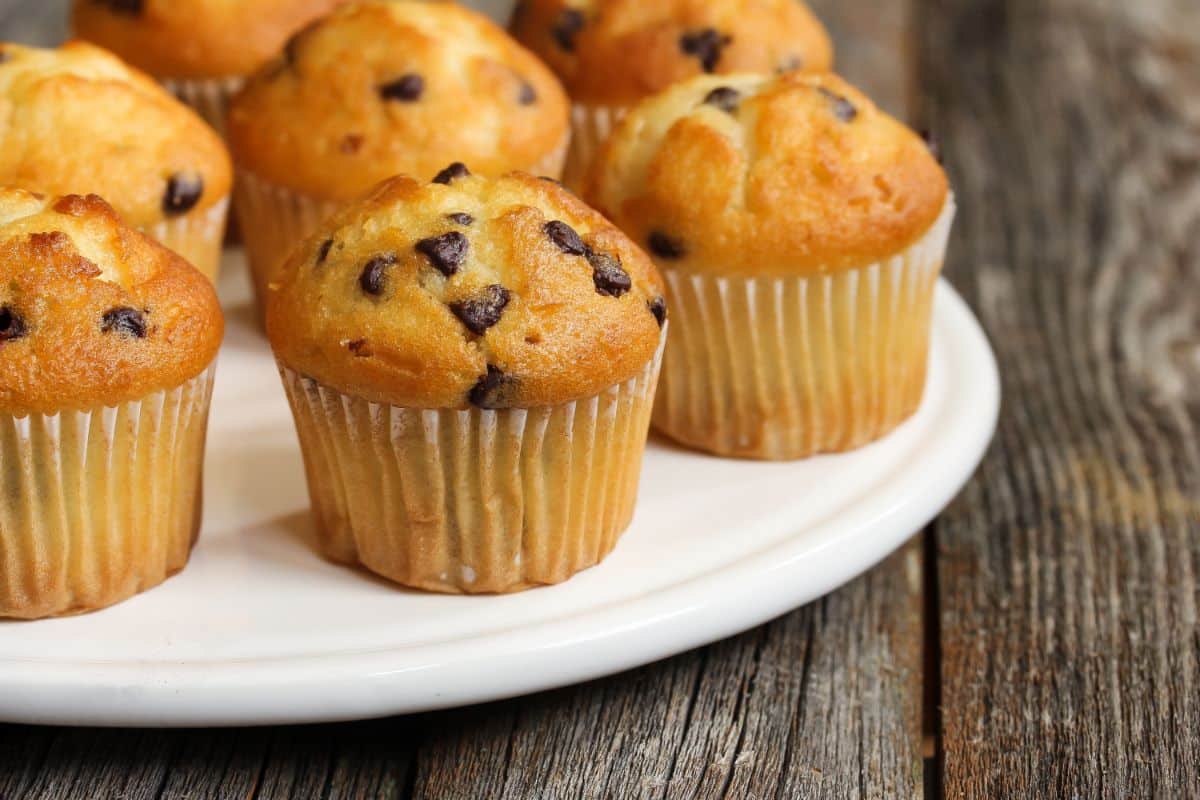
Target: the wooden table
pixel 1040 639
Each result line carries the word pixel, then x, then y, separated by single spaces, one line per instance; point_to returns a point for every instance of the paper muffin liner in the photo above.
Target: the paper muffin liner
pixel 472 501
pixel 208 97
pixel 273 220
pixel 198 236
pixel 784 368
pixel 97 506
pixel 591 126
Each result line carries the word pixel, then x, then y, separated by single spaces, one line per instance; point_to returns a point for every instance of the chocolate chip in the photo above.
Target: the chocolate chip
pixel 126 321
pixel 406 89
pixel 461 218
pixel 323 251
pixel 483 309
pixel 705 44
pixel 931 141
pixel 843 109
pixel 658 307
pixel 568 25
pixel 446 252
pixel 351 143
pixel 452 173
pixel 664 246
pixel 725 98
pixel 492 389
pixel 131 7
pixel 359 348
pixel 184 190
pixel 371 280
pixel 610 279
pixel 12 325
pixel 565 238
pixel 528 94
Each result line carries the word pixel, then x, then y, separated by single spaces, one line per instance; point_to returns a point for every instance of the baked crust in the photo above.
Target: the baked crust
pixel 788 175
pixel 93 313
pixel 615 52
pixel 550 323
pixel 382 88
pixel 195 39
pixel 78 120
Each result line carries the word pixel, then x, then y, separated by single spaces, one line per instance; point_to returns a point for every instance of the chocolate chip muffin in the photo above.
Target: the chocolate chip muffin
pixel 78 120
pixel 610 54
pixel 376 89
pixel 107 341
pixel 800 231
pixel 202 50
pixel 472 364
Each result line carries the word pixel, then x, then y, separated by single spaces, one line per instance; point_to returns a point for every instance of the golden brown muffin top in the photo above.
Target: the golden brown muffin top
pixel 496 293
pixel 93 313
pixel 772 176
pixel 615 52
pixel 78 120
pixel 195 38
pixel 385 87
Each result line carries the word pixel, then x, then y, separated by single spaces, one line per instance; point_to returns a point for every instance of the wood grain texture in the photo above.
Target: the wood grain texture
pixel 822 703
pixel 1067 571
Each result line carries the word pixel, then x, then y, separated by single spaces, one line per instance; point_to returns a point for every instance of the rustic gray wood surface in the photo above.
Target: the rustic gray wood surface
pixel 1041 640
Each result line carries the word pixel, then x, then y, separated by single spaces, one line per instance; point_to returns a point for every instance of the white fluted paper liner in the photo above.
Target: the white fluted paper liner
pixel 474 500
pixel 198 236
pixel 96 506
pixel 590 128
pixel 784 368
pixel 273 220
pixel 208 97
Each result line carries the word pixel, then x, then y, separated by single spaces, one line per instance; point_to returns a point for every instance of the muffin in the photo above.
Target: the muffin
pixel 107 343
pixel 78 120
pixel 202 50
pixel 378 89
pixel 611 54
pixel 471 365
pixel 800 232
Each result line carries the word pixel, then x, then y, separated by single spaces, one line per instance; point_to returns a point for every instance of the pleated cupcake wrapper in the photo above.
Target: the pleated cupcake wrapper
pixel 783 368
pixel 209 97
pixel 474 500
pixel 591 126
pixel 96 506
pixel 197 236
pixel 274 219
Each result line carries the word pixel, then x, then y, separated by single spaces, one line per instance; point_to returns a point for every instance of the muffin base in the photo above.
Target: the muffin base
pixel 590 128
pixel 472 501
pixel 784 368
pixel 209 98
pixel 97 506
pixel 197 236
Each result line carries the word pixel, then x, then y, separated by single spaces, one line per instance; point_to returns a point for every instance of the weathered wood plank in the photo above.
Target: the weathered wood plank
pixel 824 702
pixel 1068 570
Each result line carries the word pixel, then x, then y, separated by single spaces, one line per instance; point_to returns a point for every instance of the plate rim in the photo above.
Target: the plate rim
pixel 698 610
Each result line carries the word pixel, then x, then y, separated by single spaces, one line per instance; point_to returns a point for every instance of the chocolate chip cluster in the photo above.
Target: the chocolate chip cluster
pixel 448 253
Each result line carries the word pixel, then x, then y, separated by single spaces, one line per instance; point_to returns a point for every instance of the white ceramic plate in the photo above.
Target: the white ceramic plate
pixel 259 630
